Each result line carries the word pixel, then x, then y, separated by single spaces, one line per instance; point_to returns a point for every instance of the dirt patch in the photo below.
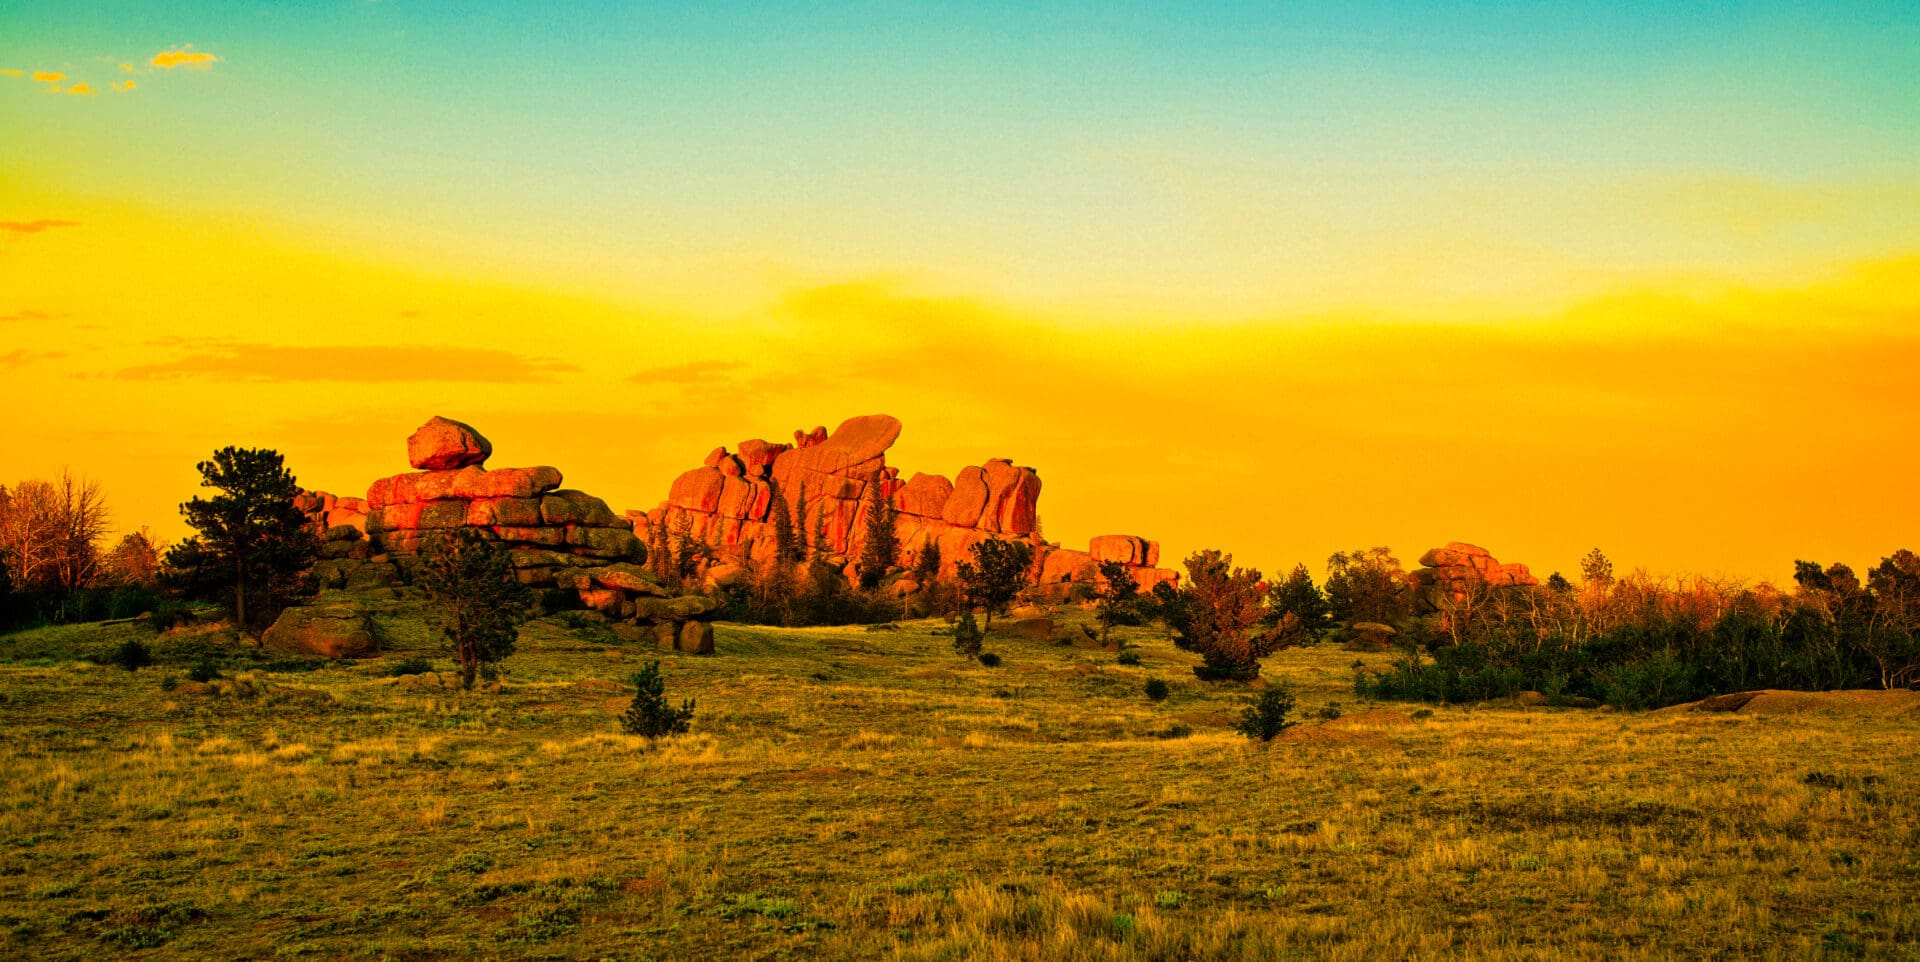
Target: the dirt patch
pixel 1207 719
pixel 643 886
pixel 824 773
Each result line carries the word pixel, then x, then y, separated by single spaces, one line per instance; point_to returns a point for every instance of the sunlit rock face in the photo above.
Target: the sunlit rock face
pixel 1455 570
pixel 442 444
pixel 825 477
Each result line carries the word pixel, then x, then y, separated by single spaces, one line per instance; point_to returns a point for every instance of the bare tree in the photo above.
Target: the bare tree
pixel 50 532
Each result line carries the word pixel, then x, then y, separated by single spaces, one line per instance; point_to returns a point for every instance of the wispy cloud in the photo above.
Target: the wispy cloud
pixel 124 85
pixel 82 88
pixel 693 372
pixel 34 226
pixel 183 57
pixel 22 357
pixel 49 76
pixel 354 364
pixel 32 315
pixel 10 72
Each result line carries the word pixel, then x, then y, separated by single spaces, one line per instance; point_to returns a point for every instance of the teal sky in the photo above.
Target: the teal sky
pixel 976 142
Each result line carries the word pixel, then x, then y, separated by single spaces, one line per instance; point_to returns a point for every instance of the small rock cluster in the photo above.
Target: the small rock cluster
pixel 1456 569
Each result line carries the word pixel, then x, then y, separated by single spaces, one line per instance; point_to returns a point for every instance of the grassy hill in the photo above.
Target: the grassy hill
pixel 855 793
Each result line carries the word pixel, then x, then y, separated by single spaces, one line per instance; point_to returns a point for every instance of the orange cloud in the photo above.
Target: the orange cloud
pixel 83 88
pixel 125 85
pixel 9 72
pixel 169 59
pixel 48 76
pixel 34 226
pixel 366 365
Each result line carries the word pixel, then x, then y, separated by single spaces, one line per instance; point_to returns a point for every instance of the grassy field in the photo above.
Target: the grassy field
pixel 853 793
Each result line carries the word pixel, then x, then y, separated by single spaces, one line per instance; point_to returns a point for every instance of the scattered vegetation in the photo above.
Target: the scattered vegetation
pixel 473 599
pixel 967 636
pixel 650 715
pixel 996 575
pixel 1266 718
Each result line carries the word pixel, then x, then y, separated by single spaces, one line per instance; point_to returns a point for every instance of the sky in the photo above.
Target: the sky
pixel 1281 279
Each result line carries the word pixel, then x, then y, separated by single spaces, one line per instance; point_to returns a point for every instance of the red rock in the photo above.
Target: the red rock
pixel 969 499
pixel 697 490
pixel 757 456
pixel 715 456
pixel 441 515
pixel 745 498
pixel 329 631
pixel 506 482
pixel 857 440
pixel 441 444
pixel 1064 564
pixel 924 496
pixel 1124 548
pixel 601 599
pixel 576 507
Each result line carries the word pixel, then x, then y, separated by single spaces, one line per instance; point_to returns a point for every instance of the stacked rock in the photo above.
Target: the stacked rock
pixel 549 530
pixel 1454 571
pixel 824 477
pixel 340 524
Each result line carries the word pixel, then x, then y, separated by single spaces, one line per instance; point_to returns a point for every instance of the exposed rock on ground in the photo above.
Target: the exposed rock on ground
pixel 326 631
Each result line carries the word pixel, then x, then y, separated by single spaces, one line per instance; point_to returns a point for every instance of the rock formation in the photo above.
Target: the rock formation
pixel 726 504
pixel 559 539
pixel 1457 569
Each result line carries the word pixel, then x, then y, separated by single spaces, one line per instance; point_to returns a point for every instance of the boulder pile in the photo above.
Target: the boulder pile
pixel 824 477
pixel 559 539
pixel 1455 570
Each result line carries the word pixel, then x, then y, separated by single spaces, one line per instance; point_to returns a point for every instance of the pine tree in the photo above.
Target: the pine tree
pixel 787 549
pixel 1119 597
pixel 882 545
pixel 474 599
pixel 996 573
pixel 251 537
pixel 926 567
pixel 659 555
pixel 650 714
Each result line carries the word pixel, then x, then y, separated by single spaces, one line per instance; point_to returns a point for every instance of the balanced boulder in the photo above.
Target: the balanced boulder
pixel 442 444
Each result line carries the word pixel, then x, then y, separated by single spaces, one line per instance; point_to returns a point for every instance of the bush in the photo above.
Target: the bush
pixel 989 659
pixel 966 636
pixel 204 670
pixel 1157 690
pixel 132 656
pixel 412 666
pixel 1129 658
pixel 168 615
pixel 650 714
pixel 1267 717
pixel 1329 712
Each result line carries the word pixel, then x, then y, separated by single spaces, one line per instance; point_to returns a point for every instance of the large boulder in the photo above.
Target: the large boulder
pixel 845 452
pixel 442 444
pixel 696 638
pixel 328 631
pixel 969 498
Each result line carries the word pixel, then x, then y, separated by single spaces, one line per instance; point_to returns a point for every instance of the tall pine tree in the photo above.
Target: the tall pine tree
pixel 251 538
pixel 882 545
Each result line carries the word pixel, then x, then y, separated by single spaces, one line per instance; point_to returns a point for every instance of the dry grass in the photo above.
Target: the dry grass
pixel 867 794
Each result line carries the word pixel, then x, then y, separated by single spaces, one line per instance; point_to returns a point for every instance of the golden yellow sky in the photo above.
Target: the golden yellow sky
pixel 1685 426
